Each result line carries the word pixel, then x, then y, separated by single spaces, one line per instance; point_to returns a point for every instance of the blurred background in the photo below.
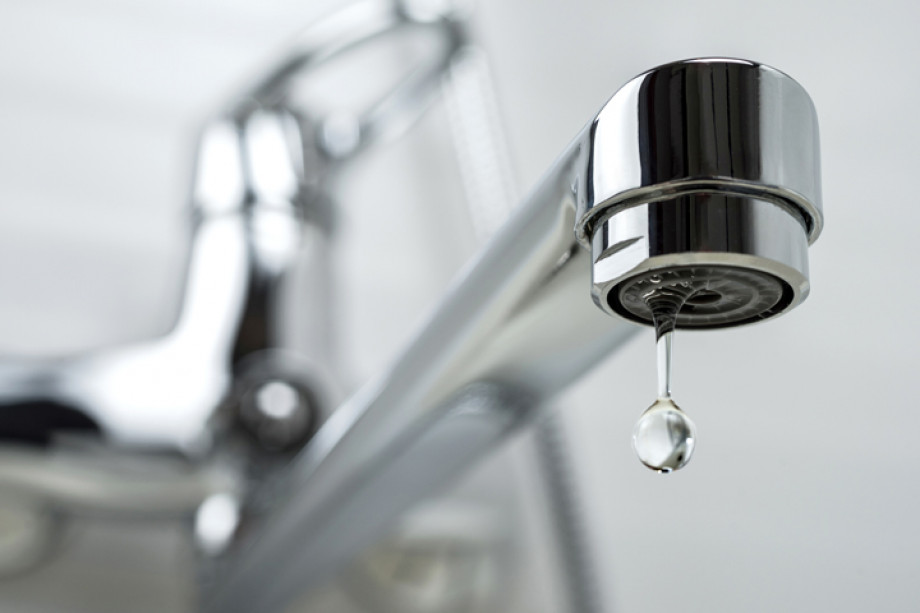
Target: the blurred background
pixel 799 496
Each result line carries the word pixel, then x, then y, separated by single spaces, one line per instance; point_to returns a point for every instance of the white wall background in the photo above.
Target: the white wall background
pixel 801 496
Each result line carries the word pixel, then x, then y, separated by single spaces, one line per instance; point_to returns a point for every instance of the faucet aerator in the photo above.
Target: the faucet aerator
pixel 706 182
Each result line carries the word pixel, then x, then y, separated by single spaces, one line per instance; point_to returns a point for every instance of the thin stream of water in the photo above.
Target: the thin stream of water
pixel 664 437
pixel 664 364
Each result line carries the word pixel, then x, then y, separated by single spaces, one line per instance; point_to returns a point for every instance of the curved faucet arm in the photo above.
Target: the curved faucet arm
pixel 520 318
pixel 704 159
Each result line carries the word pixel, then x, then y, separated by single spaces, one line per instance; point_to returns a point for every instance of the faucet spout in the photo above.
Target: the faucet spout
pixel 520 324
pixel 519 321
pixel 706 180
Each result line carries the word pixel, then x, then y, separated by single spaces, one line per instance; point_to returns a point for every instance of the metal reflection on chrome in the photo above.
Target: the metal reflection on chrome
pixel 701 172
pixel 642 192
pixel 697 167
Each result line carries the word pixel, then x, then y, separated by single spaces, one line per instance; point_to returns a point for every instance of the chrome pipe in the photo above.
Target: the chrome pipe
pixel 520 317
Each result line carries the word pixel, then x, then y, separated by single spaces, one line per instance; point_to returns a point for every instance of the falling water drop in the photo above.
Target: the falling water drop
pixel 664 437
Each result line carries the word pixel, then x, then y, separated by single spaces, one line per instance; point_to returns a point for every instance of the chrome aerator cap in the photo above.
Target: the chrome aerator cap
pixel 706 182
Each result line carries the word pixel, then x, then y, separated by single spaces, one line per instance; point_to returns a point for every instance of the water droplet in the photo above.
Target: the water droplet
pixel 664 437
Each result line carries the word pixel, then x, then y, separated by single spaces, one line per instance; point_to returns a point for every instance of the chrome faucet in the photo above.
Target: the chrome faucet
pixel 701 175
pixel 703 172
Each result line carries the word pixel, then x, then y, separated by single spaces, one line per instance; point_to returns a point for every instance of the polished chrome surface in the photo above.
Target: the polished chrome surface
pixel 258 213
pixel 706 125
pixel 517 327
pixel 713 185
pixel 225 379
pixel 520 318
pixel 160 394
pixel 491 193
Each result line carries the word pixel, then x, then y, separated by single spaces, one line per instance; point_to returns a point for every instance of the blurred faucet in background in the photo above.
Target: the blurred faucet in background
pixel 696 186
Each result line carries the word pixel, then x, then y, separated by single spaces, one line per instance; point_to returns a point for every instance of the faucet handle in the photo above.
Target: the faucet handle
pixel 358 25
